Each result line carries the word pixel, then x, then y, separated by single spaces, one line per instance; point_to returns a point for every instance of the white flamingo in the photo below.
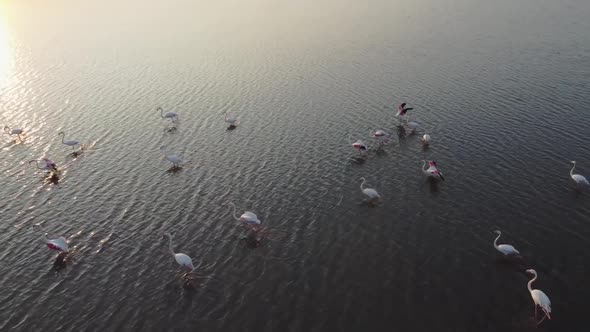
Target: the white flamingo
pixel 13 131
pixel 176 160
pixel 371 193
pixel 382 136
pixel 413 126
pixel 182 259
pixel 580 179
pixel 169 115
pixel 425 139
pixel 231 119
pixel 250 219
pixel 505 249
pixel 57 244
pixel 73 144
pixel 539 298
pixel 432 170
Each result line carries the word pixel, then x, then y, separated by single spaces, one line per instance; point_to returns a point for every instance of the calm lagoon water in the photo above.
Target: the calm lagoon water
pixel 501 86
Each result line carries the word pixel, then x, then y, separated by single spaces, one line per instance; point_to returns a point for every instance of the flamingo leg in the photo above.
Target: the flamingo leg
pixel 535 312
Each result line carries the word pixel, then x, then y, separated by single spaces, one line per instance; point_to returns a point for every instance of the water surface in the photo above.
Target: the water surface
pixel 501 86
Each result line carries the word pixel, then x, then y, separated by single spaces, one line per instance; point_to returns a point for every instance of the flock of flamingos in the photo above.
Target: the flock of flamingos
pixel 251 221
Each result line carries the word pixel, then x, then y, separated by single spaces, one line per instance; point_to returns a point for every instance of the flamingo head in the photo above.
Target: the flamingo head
pixel 531 271
pixel 573 162
pixel 168 235
pixel 61 133
pixel 497 232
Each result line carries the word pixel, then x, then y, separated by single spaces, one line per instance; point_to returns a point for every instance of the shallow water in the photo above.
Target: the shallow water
pixel 502 88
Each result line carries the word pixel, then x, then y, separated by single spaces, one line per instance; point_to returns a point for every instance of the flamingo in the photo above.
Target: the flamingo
pixel 425 139
pixel 359 146
pixel 505 249
pixel 371 193
pixel 13 131
pixel 46 164
pixel 169 115
pixel 539 298
pixel 382 136
pixel 182 259
pixel 402 110
pixel 59 244
pixel 174 159
pixel 73 144
pixel 413 125
pixel 580 179
pixel 232 120
pixel 249 219
pixel 432 170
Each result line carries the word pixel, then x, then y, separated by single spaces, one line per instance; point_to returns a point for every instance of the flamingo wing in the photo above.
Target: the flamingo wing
pixel 580 179
pixel 507 249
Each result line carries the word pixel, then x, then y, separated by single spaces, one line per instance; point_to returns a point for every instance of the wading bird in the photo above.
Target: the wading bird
pixel 425 139
pixel 249 219
pixel 13 131
pixel 539 298
pixel 182 259
pixel 402 110
pixel 232 120
pixel 505 249
pixel 580 179
pixel 73 144
pixel 174 159
pixel 371 193
pixel 58 244
pixel 432 170
pixel 44 164
pixel 169 115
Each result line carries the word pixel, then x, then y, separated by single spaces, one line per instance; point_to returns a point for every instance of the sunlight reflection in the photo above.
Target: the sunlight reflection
pixel 6 52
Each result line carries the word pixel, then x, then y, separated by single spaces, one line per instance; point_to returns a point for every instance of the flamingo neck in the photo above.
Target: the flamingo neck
pixel 63 136
pixel 423 165
pixel 362 183
pixel 170 245
pixel 572 170
pixel 234 211
pixel 531 282
pixel 496 241
pixel 161 112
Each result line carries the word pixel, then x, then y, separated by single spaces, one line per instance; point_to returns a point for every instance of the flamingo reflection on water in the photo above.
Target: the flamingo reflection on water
pixel 176 160
pixel 432 170
pixel 382 137
pixel 402 110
